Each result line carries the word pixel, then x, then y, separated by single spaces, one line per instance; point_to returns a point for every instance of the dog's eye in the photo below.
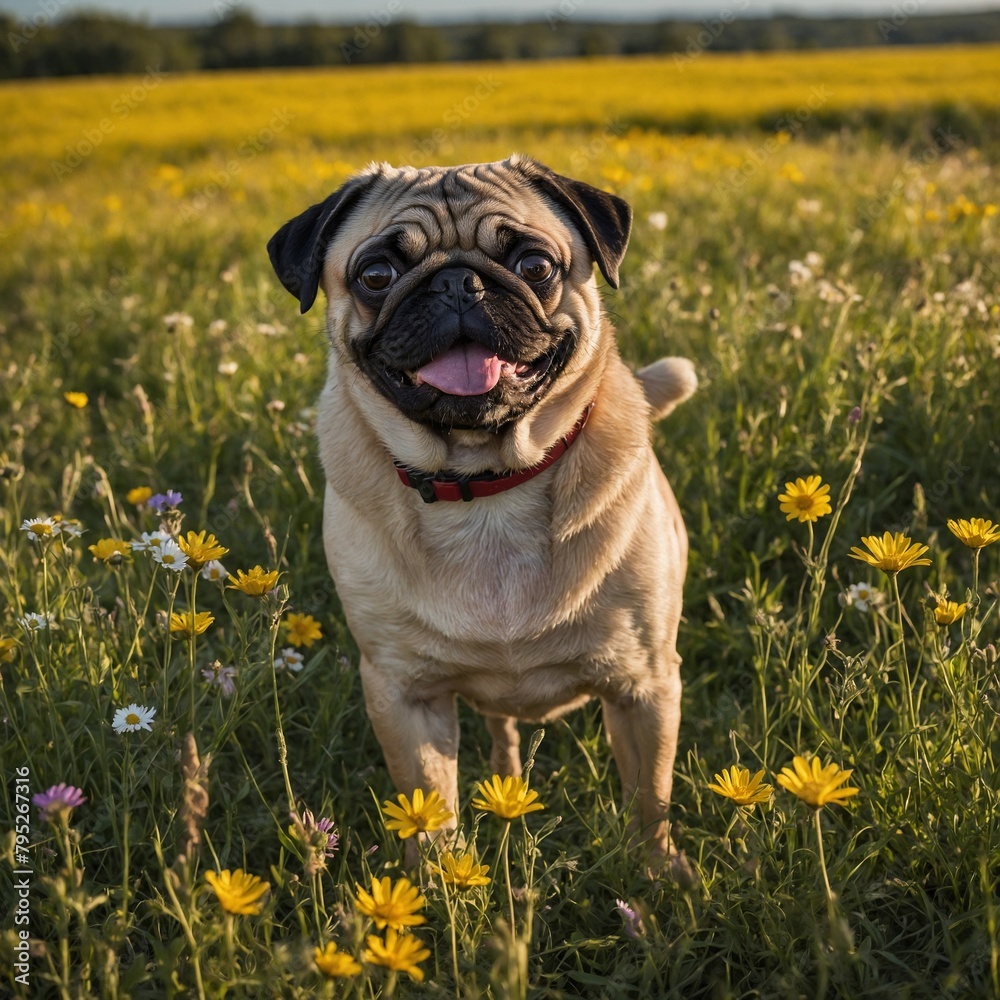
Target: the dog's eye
pixel 378 276
pixel 534 267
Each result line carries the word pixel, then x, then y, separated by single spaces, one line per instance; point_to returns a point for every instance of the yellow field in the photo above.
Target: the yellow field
pixel 91 150
pixel 179 117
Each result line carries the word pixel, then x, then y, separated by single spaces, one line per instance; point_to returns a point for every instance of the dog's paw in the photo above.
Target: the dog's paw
pixel 667 383
pixel 672 865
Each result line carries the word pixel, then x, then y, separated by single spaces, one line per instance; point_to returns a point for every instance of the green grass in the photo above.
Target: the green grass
pixel 901 318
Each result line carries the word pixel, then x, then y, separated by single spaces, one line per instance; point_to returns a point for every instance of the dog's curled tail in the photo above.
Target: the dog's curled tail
pixel 667 383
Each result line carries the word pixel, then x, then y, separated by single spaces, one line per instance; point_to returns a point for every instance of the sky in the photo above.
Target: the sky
pixel 359 11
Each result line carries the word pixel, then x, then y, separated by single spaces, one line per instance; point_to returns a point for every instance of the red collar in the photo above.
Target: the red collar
pixel 442 486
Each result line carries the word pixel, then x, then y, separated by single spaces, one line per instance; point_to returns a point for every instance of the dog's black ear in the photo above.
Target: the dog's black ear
pixel 604 219
pixel 297 248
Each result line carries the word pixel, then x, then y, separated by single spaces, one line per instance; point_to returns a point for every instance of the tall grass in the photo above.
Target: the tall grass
pixel 806 278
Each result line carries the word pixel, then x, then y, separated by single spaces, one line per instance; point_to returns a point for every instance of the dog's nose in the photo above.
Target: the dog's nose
pixel 460 287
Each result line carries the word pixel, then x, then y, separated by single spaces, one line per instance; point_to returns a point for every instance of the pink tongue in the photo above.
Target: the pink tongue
pixel 467 369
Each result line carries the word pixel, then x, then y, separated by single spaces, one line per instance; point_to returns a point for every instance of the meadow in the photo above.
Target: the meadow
pixel 818 232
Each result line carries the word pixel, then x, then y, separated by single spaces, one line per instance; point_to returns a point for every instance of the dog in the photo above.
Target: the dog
pixel 495 520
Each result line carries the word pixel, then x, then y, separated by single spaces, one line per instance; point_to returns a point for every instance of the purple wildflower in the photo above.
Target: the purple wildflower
pixel 162 502
pixel 633 922
pixel 324 825
pixel 854 416
pixel 222 677
pixel 58 801
pixel 318 837
pixel 320 833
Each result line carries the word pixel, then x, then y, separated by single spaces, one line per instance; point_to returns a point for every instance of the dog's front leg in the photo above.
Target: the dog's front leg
pixel 642 731
pixel 419 737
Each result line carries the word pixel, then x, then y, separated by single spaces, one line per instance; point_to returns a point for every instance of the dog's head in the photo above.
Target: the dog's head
pixel 462 294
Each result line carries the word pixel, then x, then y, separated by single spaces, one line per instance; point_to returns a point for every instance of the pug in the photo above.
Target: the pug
pixel 495 520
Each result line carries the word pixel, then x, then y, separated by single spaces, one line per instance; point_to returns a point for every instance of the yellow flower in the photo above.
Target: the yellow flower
pixel 419 816
pixel 792 173
pixel 138 495
pixel 976 533
pixel 805 499
pixel 400 952
pixel 78 400
pixel 736 784
pixel 890 552
pixel 188 624
pixel 334 963
pixel 301 630
pixel 201 549
pixel 507 797
pixel 948 612
pixel 238 891
pixel 256 583
pixel 111 551
pixel 391 905
pixel 8 647
pixel 816 784
pixel 462 871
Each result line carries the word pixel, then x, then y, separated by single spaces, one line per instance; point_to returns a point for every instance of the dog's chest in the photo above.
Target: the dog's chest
pixel 447 582
pixel 491 567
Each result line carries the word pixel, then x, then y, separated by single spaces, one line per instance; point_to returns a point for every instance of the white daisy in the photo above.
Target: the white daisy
pixel 178 320
pixel 214 570
pixel 798 272
pixel 150 540
pixel 34 622
pixel 39 527
pixel 227 367
pixel 861 595
pixel 217 326
pixel 289 658
pixel 658 220
pixel 132 718
pixel 169 555
pixel 71 526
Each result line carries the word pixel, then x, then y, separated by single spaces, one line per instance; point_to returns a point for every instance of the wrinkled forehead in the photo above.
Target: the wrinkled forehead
pixel 480 206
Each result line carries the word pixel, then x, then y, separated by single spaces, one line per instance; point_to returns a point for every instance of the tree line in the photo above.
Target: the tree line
pixel 46 44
